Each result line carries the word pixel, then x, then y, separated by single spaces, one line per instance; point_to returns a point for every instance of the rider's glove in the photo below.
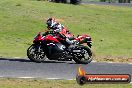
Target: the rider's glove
pixel 75 42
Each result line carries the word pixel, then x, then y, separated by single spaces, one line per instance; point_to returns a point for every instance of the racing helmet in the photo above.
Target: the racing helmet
pixel 51 22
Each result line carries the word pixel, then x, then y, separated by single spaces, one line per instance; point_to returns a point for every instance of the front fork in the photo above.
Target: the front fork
pixel 89 44
pixel 38 47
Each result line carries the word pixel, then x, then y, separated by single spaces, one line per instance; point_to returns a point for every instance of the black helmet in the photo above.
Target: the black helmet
pixel 51 22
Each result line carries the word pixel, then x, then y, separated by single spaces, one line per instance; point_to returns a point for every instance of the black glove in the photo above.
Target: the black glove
pixel 48 32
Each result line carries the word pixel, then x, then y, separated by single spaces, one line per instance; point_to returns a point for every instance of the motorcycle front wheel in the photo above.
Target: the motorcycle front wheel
pixel 36 54
pixel 84 58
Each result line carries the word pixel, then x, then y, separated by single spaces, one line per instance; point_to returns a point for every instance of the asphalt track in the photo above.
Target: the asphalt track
pixel 24 68
pixel 106 3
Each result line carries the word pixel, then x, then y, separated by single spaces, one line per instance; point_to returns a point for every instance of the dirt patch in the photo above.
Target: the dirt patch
pixel 109 58
pixel 60 20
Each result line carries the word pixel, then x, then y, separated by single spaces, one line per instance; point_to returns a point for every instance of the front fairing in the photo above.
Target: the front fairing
pixel 38 38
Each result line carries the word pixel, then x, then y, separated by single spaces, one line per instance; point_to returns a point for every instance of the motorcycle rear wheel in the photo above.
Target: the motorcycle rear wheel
pixel 36 55
pixel 85 58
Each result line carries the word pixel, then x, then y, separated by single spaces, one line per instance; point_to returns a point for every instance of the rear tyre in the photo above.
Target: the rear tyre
pixel 36 54
pixel 85 58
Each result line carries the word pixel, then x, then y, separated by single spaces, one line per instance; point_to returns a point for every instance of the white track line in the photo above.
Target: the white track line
pixel 26 77
pixel 118 63
pixel 94 61
pixel 17 57
pixel 1 76
pixel 59 79
pixel 52 78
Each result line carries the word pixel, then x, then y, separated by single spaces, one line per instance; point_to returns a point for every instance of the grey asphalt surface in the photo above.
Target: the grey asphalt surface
pixel 15 68
pixel 107 3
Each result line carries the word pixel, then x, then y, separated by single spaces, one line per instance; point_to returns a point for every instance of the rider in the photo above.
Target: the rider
pixel 55 26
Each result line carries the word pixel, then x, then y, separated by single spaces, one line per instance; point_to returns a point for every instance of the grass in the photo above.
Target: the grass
pixel 35 83
pixel 109 26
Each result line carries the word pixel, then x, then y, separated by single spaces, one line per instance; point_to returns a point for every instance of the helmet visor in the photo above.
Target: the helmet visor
pixel 49 23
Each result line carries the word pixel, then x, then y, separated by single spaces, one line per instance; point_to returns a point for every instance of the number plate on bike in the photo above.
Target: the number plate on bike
pixel 76 50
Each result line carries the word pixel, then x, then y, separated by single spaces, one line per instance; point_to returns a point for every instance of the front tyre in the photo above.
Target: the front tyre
pixel 36 54
pixel 85 57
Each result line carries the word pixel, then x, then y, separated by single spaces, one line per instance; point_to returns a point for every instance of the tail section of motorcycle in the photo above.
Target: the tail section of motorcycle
pixel 84 40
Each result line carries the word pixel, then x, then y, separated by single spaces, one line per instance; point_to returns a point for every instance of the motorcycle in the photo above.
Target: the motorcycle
pixel 54 48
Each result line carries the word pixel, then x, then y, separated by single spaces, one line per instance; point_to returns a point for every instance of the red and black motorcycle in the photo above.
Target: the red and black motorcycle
pixel 54 48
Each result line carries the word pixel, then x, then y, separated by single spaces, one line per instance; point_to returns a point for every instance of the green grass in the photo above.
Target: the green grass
pixel 109 26
pixel 35 83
